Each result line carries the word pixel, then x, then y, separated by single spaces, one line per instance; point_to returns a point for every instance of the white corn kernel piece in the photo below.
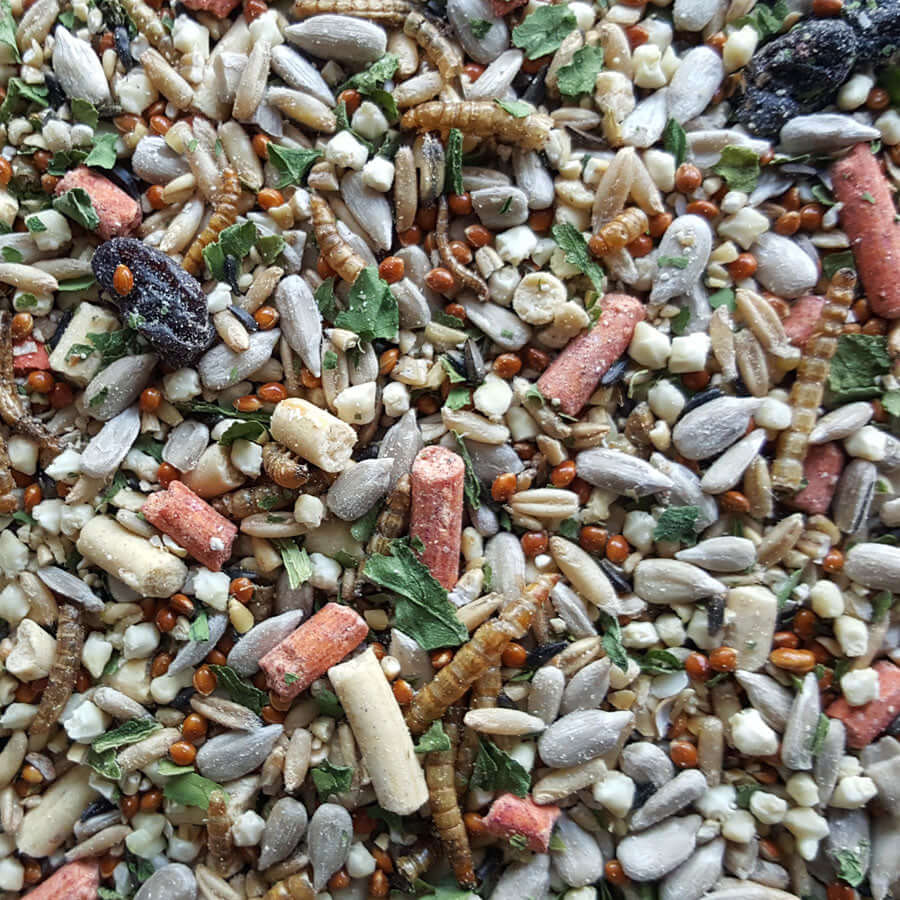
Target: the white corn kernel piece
pixel 649 346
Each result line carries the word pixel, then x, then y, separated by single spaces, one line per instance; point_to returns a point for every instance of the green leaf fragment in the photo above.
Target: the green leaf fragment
pixel 573 244
pixel 330 779
pixel 291 163
pixel 372 311
pixel 239 689
pixel 496 770
pixel 739 166
pixel 103 153
pixel 677 523
pixel 190 789
pixel 129 732
pixel 580 75
pixel 76 204
pixel 296 562
pixel 859 360
pixel 434 740
pixel 675 141
pixel 517 108
pixel 544 30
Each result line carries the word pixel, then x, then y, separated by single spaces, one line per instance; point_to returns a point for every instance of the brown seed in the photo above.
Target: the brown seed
pixel 687 178
pixel 723 659
pixel 788 223
pixel 798 661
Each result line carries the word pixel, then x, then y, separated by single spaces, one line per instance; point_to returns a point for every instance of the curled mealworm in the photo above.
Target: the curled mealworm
pixel 284 467
pixel 224 214
pixel 807 390
pixel 335 250
pixel 218 833
pixel 390 12
pixel 472 660
pixel 438 49
pixel 62 677
pixel 619 232
pixel 466 277
pixel 481 118
pixel 418 861
pixel 249 500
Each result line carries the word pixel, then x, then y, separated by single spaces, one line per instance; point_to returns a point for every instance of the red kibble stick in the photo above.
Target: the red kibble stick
pixel 436 513
pixel 865 723
pixel 309 652
pixel 868 217
pixel 803 318
pixel 75 881
pixel 192 523
pixel 119 214
pixel 511 815
pixel 221 9
pixel 576 372
pixel 821 469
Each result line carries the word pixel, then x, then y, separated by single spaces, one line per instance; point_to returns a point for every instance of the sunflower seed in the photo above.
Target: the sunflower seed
pixel 192 653
pixel 720 554
pixel 824 133
pixel 671 581
pixel 185 445
pixel 109 446
pixel 768 697
pixel 656 852
pixel 233 754
pixel 221 367
pixel 300 74
pixel 285 826
pixel 581 736
pixel 694 877
pixel 580 861
pixel 729 468
pixel 797 742
pixel 694 83
pixel 118 385
pixel 174 881
pixel 783 267
pixel 78 70
pixel 588 688
pixel 620 472
pixel 155 162
pixel 300 320
pixel 686 490
pixel 245 655
pixel 370 208
pixel 875 566
pixel 713 427
pixel 359 488
pixel 585 575
pixel 329 836
pixel 841 422
pixel 494 81
pixel 62 582
pixel 341 38
pixel 687 238
pixel 672 797
pixel 503 721
pixel 495 40
pixel 546 693
pixel 853 496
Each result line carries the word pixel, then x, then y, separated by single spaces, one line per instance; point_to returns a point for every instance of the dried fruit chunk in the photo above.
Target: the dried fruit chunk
pixel 165 304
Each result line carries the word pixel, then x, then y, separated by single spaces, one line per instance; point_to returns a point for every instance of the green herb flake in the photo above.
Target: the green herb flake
pixel 573 244
pixel 99 397
pixel 434 740
pixel 834 262
pixel 458 397
pixel 296 562
pixel 372 311
pixel 84 111
pixel 675 141
pixel 569 529
pixel 480 27
pixel 723 297
pixel 291 163
pixel 659 662
pixel 329 360
pixel 848 864
pixel 739 166
pixel 422 610
pixel 517 108
pixel 454 165
pixel 679 322
pixel 199 630
pixel 612 641
pixel 496 770
pixel 190 790
pixel 236 241
pixel 744 793
pixel 77 284
pixel 881 605
pixel 858 361
pixel 325 299
pixel 767 20
pixel 787 587
pixel 471 485
pixel 673 262
pixel 270 247
pixel 370 83
pixel 76 204
pixel 168 768
pixel 290 678
pixel 822 194
pixel 579 76
pixel 818 738
pixel 11 255
pixel 327 701
pixel 35 225
pixel 8 29
pixel 868 197
pixel 240 690
pixel 677 523
pixel 129 732
pixel 103 152
pixel 330 779
pixel 104 763
pixel 543 31
pixel 17 92
pixel 202 407
pixel 363 529
pixel 243 431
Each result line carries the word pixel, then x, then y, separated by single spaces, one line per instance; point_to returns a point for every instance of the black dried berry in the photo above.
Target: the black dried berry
pixel 877 27
pixel 166 304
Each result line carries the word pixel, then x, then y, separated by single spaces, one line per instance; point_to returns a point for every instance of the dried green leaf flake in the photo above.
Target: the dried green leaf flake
pixel 739 166
pixel 677 523
pixel 246 431
pixel 572 242
pixel 8 29
pixel 76 204
pixel 129 732
pixel 612 641
pixel 331 779
pixel 291 163
pixel 579 76
pixel 859 360
pixel 517 108
pixel 190 790
pixel 199 630
pixel 480 27
pixel 103 153
pixel 435 739
pixel 236 241
pixel 849 865
pixel 544 30
pixel 372 311
pixel 296 562
pixel 675 141
pixel 239 689
pixel 496 770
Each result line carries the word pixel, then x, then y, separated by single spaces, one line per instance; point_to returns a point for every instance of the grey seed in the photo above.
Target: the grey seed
pixel 232 754
pixel 411 303
pixel 826 768
pixel 504 555
pixel 620 472
pixel 117 704
pixel 370 207
pixel 300 74
pixel 194 652
pixel 112 442
pixel 768 697
pixel 693 15
pixel 245 655
pixel 359 488
pixel 644 126
pixel 220 367
pixel 572 610
pixel 672 797
pixel 848 831
pixel 532 177
pixel 185 445
pixel 62 582
pixel 401 442
pixel 881 762
pixel 284 827
pixel 686 490
pixel 741 859
pixel 705 146
pixel 671 581
pixel 546 693
pixel 694 83
pixel 749 890
pixel 484 520
pixel 783 268
pixel 501 325
pixel 588 687
pixel 729 468
pixel 340 38
pixel 885 868
pixel 118 385
pixel 499 720
pixel 581 736
pixel 853 496
pixel 770 874
pixel 330 833
pixel 688 237
pixel 494 81
pixel 415 663
pixel 226 713
pixel 288 598
pixel 875 566
pixel 824 133
pixel 720 554
pixel 524 879
pixel 172 882
pixel 713 427
pixel 580 861
pixel 752 613
pixel 78 69
pixel 491 460
pixel 500 207
pixel 300 320
pixel 796 745
pixel 645 763
pixel 657 851
pixel 779 540
pixel 476 177
pixel 694 877
pixel 462 13
pixel 841 422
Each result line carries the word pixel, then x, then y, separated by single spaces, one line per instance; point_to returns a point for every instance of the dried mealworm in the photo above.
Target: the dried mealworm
pixel 482 118
pixel 466 277
pixel 249 500
pixel 224 214
pixel 283 467
pixel 418 861
pixel 807 390
pixel 484 696
pixel 388 12
pixel 619 232
pixel 445 811
pixel 393 520
pixel 63 673
pixel 437 48
pixel 334 249
pixel 482 651
pixel 294 888
pixel 218 833
pixel 151 27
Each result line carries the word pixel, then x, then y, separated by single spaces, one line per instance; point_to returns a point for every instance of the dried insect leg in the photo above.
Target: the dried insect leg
pixel 294 888
pixel 466 277
pixel 219 843
pixel 437 48
pixel 807 390
pixel 62 677
pixel 334 249
pixel 476 656
pixel 283 467
pixel 619 232
pixel 225 213
pixel 388 12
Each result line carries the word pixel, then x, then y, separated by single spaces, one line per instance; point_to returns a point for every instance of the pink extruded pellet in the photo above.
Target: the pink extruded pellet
pixel 869 219
pixel 821 469
pixel 119 214
pixel 803 318
pixel 322 641
pixel 575 373
pixel 510 815
pixel 75 881
pixel 865 723
pixel 192 523
pixel 438 475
